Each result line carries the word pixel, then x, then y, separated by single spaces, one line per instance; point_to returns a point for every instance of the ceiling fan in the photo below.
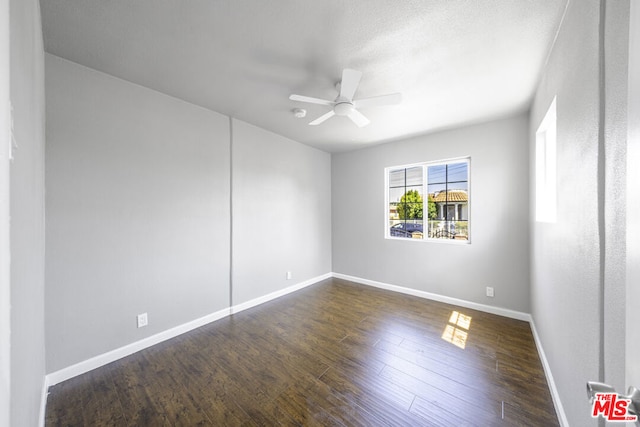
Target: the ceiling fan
pixel 344 104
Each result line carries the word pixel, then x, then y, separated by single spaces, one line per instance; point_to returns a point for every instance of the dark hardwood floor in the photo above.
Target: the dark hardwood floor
pixel 333 354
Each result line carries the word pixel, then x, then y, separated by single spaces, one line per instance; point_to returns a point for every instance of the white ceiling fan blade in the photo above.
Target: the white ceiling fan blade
pixel 349 83
pixel 311 100
pixel 358 118
pixel 374 101
pixel 323 118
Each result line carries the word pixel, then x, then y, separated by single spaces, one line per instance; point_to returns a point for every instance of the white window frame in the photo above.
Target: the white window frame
pixel 425 183
pixel 546 206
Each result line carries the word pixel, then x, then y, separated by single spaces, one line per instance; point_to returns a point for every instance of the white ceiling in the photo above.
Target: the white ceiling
pixel 454 61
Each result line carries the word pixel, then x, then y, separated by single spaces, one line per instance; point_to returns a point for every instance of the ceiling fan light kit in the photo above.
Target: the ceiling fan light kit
pixel 344 105
pixel 343 108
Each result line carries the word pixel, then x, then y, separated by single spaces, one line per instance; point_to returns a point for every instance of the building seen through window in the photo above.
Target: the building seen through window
pixel 429 201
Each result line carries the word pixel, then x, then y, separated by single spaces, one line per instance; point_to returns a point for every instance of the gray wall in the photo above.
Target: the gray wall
pixel 565 275
pixel 498 255
pixel 578 263
pixel 632 349
pixel 281 212
pixel 27 213
pixel 5 243
pixel 137 212
pixel 614 140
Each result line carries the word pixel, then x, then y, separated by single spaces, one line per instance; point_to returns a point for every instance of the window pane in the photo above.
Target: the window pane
pixel 396 178
pixel 410 206
pixel 393 215
pixel 458 186
pixel 457 172
pixel 410 210
pixel 395 194
pixel 408 194
pixel 434 189
pixel 448 192
pixel 436 174
pixel 414 176
pixel 408 229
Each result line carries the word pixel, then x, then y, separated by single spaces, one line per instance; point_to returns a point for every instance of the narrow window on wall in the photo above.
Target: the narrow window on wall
pixel 428 201
pixel 448 188
pixel 405 194
pixel 546 167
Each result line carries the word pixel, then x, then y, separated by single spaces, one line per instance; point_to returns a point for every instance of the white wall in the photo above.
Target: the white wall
pixel 137 212
pixel 281 212
pixel 27 213
pixel 498 255
pixel 578 263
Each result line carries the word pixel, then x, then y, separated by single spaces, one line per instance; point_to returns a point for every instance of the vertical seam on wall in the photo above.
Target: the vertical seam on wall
pixel 230 211
pixel 601 185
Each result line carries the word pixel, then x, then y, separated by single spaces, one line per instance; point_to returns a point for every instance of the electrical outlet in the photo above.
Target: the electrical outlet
pixel 143 320
pixel 489 291
pixel 289 275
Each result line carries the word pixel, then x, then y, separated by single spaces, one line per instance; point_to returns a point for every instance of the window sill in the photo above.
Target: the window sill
pixel 446 241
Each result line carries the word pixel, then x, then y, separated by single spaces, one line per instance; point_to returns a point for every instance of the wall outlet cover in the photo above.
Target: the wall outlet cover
pixel 143 320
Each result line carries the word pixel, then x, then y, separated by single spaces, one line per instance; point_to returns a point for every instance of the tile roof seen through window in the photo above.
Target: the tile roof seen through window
pixel 454 196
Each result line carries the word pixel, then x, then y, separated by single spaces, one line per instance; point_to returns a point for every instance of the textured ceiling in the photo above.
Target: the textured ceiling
pixel 455 62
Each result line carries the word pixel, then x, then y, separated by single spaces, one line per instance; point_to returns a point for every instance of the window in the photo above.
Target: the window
pixel 546 167
pixel 428 201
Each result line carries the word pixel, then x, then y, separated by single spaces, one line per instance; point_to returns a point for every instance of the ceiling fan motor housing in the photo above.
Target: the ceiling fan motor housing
pixel 343 108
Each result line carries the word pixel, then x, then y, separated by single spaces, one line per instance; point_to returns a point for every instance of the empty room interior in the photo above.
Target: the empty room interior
pixel 318 213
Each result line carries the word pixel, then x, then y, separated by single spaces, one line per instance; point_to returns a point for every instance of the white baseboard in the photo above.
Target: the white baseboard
pixel 518 315
pixel 266 298
pixel 113 355
pixel 43 402
pixel 436 297
pixel 557 403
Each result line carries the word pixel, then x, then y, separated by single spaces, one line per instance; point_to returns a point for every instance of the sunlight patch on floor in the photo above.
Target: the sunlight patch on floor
pixel 456 331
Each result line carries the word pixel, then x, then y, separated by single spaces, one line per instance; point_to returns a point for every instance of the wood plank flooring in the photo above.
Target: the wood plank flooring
pixel 333 354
